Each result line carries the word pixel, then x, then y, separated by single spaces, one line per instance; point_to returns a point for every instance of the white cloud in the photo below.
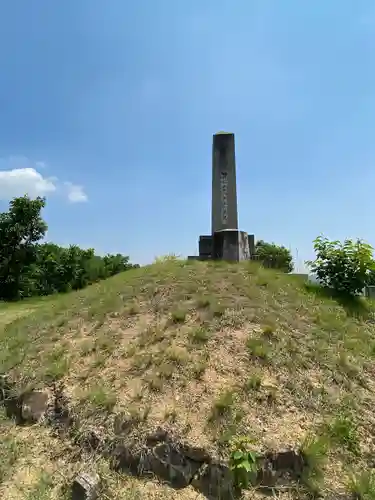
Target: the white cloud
pixel 21 181
pixel 20 176
pixel 76 193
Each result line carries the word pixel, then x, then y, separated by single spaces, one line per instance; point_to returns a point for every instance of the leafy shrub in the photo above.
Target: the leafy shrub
pixel 171 257
pixel 343 267
pixel 29 268
pixel 274 256
pixel 243 462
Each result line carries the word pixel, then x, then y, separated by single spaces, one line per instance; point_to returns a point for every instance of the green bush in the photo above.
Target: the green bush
pixel 274 256
pixel 345 268
pixel 243 462
pixel 171 257
pixel 29 268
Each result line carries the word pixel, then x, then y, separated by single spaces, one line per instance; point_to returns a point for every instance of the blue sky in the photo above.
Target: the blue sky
pixel 108 108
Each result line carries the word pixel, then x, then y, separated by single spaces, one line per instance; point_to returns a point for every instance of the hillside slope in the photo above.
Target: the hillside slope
pixel 205 351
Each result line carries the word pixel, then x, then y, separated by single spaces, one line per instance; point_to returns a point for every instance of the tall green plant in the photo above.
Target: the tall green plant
pixel 343 267
pixel 274 256
pixel 243 462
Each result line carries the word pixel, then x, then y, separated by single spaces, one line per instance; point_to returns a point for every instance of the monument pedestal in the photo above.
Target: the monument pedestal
pixel 231 245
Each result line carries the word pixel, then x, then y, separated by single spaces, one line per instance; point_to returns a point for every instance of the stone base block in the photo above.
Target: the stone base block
pixel 205 245
pixel 199 257
pixel 251 238
pixel 231 245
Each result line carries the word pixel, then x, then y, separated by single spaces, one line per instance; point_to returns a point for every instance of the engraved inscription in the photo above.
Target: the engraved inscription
pixel 224 196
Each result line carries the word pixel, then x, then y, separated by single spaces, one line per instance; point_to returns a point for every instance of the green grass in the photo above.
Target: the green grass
pixel 253 382
pixel 362 485
pixel 343 432
pixel 203 302
pixel 178 316
pixel 223 405
pixel 11 449
pixel 315 451
pixel 200 335
pixel 174 336
pixel 42 490
pixel 100 397
pixel 258 348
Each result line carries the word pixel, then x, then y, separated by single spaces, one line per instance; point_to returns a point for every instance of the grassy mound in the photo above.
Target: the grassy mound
pixel 206 350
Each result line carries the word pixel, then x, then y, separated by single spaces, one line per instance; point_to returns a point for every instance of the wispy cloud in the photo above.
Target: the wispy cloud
pixel 20 176
pixel 76 193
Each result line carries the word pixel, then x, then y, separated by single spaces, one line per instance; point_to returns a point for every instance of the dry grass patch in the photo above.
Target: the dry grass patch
pixel 198 369
pixel 259 348
pixel 178 316
pixel 253 382
pixel 203 302
pixel 99 397
pixel 177 354
pixel 199 334
pixel 223 405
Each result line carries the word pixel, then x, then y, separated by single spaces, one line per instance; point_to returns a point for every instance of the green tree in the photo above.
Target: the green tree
pixel 274 256
pixel 115 264
pixel 345 268
pixel 28 267
pixel 20 228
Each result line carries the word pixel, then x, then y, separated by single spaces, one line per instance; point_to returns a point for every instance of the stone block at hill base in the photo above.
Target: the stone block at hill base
pixel 231 245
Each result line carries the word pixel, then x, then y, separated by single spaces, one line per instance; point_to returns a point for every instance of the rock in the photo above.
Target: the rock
pixel 168 463
pixel 195 453
pixel 61 407
pixel 123 422
pixel 166 460
pixel 89 440
pixel 86 487
pixel 159 436
pixel 266 475
pixel 287 461
pixel 59 417
pixel 279 468
pixel 34 406
pixel 216 481
pixel 125 458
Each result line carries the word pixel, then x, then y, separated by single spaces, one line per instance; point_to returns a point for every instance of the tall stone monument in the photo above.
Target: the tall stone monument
pixel 224 187
pixel 226 241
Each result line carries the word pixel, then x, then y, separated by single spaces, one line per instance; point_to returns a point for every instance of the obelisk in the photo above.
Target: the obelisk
pixel 224 191
pixel 228 243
